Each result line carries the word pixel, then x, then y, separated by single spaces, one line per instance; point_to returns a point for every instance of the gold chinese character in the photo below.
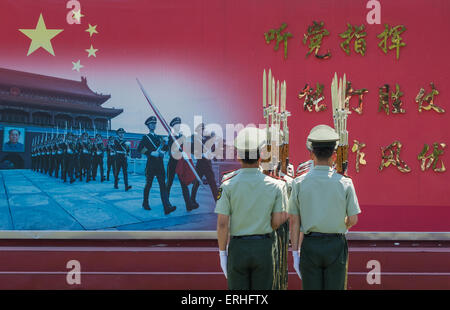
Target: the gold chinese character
pixel 360 42
pixel 313 98
pixel 275 34
pixel 396 40
pixel 350 92
pixel 357 147
pixel 429 99
pixel 390 155
pixel 315 33
pixel 432 158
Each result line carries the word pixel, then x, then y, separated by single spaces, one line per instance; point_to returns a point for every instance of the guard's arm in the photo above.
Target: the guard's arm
pixel 294 226
pixel 278 218
pixel 353 208
pixel 351 220
pixel 222 231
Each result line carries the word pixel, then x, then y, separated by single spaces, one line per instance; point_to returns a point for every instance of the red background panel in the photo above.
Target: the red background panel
pixel 220 44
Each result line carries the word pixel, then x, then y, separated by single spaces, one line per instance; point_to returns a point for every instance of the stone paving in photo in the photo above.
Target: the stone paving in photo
pixel 33 201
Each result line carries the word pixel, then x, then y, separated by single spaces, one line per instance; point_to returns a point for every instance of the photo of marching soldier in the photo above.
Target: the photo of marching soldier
pixel 154 147
pixel 173 164
pixel 77 162
pixel 122 150
pixel 203 155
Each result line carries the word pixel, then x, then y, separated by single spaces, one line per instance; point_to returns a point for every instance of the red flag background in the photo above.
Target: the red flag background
pixel 206 57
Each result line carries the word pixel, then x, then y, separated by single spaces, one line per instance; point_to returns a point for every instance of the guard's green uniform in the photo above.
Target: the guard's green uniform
pixel 323 198
pixel 249 197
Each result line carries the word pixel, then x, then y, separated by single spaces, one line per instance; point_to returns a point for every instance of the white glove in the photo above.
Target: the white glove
pixel 154 154
pixel 223 261
pixel 296 257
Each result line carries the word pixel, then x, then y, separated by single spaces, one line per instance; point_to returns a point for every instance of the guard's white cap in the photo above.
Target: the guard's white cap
pixel 250 139
pixel 322 134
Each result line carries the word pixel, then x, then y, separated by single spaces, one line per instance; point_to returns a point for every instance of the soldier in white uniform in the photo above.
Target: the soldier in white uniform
pixel 250 205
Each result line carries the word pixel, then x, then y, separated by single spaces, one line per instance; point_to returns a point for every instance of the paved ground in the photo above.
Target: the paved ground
pixel 34 201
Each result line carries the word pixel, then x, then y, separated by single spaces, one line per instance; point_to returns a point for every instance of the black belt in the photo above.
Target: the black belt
pixel 253 237
pixel 319 234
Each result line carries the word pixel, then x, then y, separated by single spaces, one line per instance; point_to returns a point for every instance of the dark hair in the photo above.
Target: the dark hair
pixel 323 150
pixel 249 157
pixel 11 130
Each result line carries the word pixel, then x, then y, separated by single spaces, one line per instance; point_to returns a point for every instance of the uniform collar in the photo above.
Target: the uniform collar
pixel 323 168
pixel 249 170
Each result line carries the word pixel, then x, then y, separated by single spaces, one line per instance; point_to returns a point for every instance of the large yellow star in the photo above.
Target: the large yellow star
pixel 92 30
pixel 77 15
pixel 41 36
pixel 92 51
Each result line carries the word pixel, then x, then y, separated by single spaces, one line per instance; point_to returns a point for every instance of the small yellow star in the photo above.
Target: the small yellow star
pixel 77 15
pixel 92 51
pixel 92 30
pixel 41 36
pixel 77 65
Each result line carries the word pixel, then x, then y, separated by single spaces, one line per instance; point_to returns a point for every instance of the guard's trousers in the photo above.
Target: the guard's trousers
pixel 250 264
pixel 324 262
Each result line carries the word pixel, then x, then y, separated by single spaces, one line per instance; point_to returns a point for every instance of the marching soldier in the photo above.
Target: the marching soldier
pixel 38 156
pixel 33 156
pixel 97 157
pixel 52 156
pixel 85 157
pixel 250 206
pixel 46 156
pixel 153 146
pixel 171 166
pixel 203 165
pixel 323 206
pixel 69 147
pixel 76 156
pixel 110 157
pixel 59 155
pixel 122 149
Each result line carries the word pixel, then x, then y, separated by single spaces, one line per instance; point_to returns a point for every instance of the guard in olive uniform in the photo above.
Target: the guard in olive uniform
pixel 122 149
pixel 203 165
pixel 98 150
pixel 250 205
pixel 323 206
pixel 154 147
pixel 110 157
pixel 172 165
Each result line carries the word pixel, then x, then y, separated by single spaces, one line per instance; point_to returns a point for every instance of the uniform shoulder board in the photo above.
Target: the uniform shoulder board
pixel 229 174
pixel 276 178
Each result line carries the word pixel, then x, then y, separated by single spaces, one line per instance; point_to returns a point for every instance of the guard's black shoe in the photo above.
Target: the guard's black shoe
pixel 146 206
pixel 169 209
pixel 116 186
pixel 72 180
pixel 127 188
pixel 194 206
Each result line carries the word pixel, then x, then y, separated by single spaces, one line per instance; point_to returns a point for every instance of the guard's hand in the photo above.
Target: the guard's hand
pixel 296 257
pixel 223 262
pixel 154 154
